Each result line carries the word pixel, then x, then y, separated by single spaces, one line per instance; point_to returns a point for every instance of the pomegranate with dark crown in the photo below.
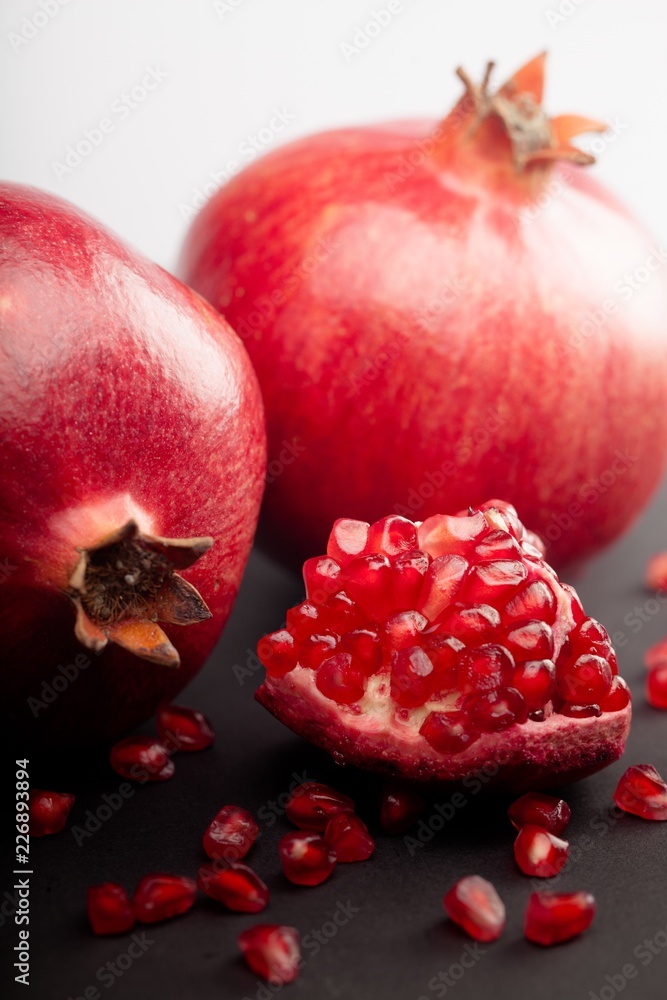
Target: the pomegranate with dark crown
pixel 442 312
pixel 440 649
pixel 132 451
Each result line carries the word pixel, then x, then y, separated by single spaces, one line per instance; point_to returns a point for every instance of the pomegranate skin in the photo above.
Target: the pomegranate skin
pixel 424 333
pixel 123 396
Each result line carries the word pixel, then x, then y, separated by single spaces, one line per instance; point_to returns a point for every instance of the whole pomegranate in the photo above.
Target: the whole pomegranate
pixel 133 459
pixel 445 650
pixel 438 313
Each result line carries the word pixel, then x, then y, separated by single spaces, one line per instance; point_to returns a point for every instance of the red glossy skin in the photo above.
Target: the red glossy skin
pixel 413 339
pixel 122 394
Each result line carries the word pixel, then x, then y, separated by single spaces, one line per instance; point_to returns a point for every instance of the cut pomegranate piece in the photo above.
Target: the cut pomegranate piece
pixel 642 792
pixel 656 686
pixel 272 951
pixel 448 646
pixel 553 917
pixel 184 728
pixel 400 808
pixel 48 811
pixel 474 905
pixel 231 834
pixel 109 909
pixel 538 852
pixel 349 837
pixel 235 885
pixel 142 758
pixel 550 813
pixel 312 804
pixel 159 897
pixel 656 572
pixel 307 858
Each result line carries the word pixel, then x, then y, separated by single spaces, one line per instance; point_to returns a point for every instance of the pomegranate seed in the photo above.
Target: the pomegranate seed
pixel 312 804
pixel 231 834
pixel 533 546
pixel 472 623
pixel 369 581
pixel 578 612
pixel 493 582
pixel 441 584
pixel 277 651
pixel 536 601
pixel 307 858
pixel 580 711
pixel 401 630
pixel 553 917
pixel 321 576
pixel 656 686
pixel 617 697
pixel 444 652
pixel 184 728
pixel 392 535
pixel 586 681
pixel 474 905
pixel 400 809
pixel 530 641
pixel 486 668
pixel 236 886
pixel 142 758
pixel 348 539
pixel 443 534
pixel 349 837
pixel 302 621
pixel 533 808
pixel 535 680
pixel 496 710
pixel 642 792
pixel 411 677
pixel 508 516
pixel 272 951
pixel 656 572
pixel 339 679
pixel 591 637
pixel 159 897
pixel 410 568
pixel 656 655
pixel 498 544
pixel 109 909
pixel 340 614
pixel 315 649
pixel 48 811
pixel 447 732
pixel 538 852
pixel 364 647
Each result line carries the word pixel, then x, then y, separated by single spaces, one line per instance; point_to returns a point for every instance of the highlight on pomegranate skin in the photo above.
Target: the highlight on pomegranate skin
pixel 425 649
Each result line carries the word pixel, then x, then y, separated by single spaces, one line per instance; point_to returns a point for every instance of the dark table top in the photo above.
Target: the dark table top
pixel 377 929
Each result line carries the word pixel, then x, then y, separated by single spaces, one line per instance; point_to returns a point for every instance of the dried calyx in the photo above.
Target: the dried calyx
pixel 127 583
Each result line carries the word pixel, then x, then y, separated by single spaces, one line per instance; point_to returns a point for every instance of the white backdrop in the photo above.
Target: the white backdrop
pixel 174 94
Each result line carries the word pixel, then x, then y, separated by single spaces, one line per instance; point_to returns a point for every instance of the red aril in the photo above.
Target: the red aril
pixel 307 858
pixel 416 693
pixel 474 905
pixel 349 837
pixel 656 686
pixel 272 951
pixel 183 728
pixel 142 758
pixel 656 655
pixel 545 811
pixel 642 792
pixel 48 811
pixel 230 834
pixel 553 917
pixel 538 852
pixel 429 257
pixel 133 427
pixel 160 897
pixel 400 808
pixel 109 909
pixel 656 572
pixel 234 885
pixel 312 804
